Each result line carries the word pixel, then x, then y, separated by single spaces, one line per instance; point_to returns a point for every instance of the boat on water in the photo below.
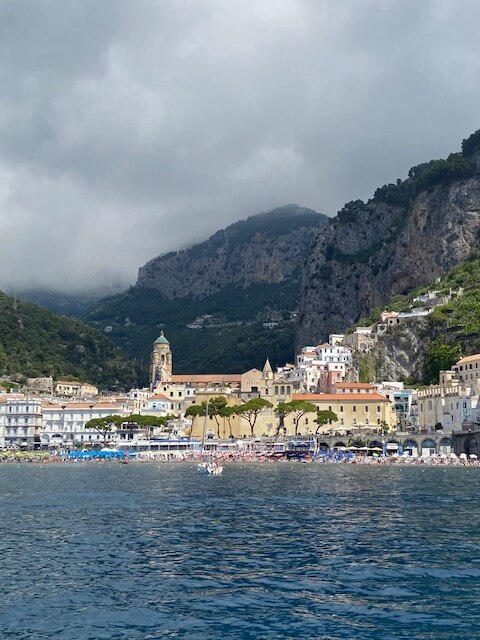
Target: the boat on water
pixel 211 467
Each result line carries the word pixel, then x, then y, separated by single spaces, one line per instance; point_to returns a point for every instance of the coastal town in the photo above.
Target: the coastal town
pixel 317 400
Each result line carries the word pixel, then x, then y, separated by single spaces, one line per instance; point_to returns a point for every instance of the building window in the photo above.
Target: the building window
pixel 354 409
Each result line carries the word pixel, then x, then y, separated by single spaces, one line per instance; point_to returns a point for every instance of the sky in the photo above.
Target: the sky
pixel 129 128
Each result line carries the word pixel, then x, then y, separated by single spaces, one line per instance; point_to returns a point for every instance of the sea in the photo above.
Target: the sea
pixel 94 551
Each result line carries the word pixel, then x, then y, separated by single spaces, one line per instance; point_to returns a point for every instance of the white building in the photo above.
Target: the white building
pixel 157 405
pixel 180 395
pixel 446 405
pixel 20 421
pixel 64 423
pixel 319 368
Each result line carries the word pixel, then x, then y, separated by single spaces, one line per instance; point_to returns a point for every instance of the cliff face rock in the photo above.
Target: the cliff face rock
pixel 268 248
pixel 398 354
pixel 371 252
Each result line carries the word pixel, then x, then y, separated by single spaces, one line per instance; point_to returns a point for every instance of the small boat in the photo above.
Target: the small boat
pixel 211 468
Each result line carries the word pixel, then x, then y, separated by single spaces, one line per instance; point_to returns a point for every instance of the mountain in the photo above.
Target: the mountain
pixel 416 350
pixel 407 235
pixel 268 248
pixel 67 304
pixel 36 342
pixel 225 304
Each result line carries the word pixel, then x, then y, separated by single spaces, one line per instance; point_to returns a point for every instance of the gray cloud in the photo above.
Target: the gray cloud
pixel 133 127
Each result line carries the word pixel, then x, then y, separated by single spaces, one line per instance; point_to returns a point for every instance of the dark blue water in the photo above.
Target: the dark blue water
pixel 265 551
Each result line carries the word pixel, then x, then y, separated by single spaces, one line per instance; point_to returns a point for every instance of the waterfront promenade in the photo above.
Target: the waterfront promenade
pixel 345 456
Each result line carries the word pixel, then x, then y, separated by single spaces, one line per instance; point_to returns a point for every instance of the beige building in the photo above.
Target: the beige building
pixel 448 404
pixel 356 410
pixel 210 426
pixel 265 384
pixel 69 389
pixel 467 370
pixel 253 384
pixel 203 380
pixel 362 339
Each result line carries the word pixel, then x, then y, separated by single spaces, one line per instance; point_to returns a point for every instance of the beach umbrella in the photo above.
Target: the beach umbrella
pixel 473 456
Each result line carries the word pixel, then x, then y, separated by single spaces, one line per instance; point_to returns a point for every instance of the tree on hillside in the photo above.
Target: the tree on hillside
pixel 325 416
pixel 440 357
pixel 105 425
pixel 251 409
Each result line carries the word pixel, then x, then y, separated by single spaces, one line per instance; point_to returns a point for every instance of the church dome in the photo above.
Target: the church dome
pixel 161 339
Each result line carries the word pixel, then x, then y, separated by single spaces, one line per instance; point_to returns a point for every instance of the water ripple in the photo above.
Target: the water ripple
pixel 93 552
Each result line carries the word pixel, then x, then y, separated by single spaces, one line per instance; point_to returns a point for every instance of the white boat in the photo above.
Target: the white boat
pixel 211 467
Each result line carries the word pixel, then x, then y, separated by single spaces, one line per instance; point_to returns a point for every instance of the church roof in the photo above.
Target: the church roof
pixel 161 339
pixel 268 367
pixel 208 378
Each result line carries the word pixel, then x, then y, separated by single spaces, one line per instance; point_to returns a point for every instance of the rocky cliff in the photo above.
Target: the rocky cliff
pixel 267 248
pixel 398 354
pixel 406 236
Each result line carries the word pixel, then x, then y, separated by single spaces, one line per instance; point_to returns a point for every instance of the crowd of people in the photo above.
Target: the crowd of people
pixel 333 457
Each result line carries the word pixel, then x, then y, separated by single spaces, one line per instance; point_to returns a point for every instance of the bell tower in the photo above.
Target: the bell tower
pixel 161 361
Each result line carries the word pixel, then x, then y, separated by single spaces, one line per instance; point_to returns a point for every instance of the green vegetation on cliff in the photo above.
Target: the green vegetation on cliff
pixel 225 304
pixel 422 177
pixel 36 342
pixel 453 329
pixel 235 341
pixel 279 222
